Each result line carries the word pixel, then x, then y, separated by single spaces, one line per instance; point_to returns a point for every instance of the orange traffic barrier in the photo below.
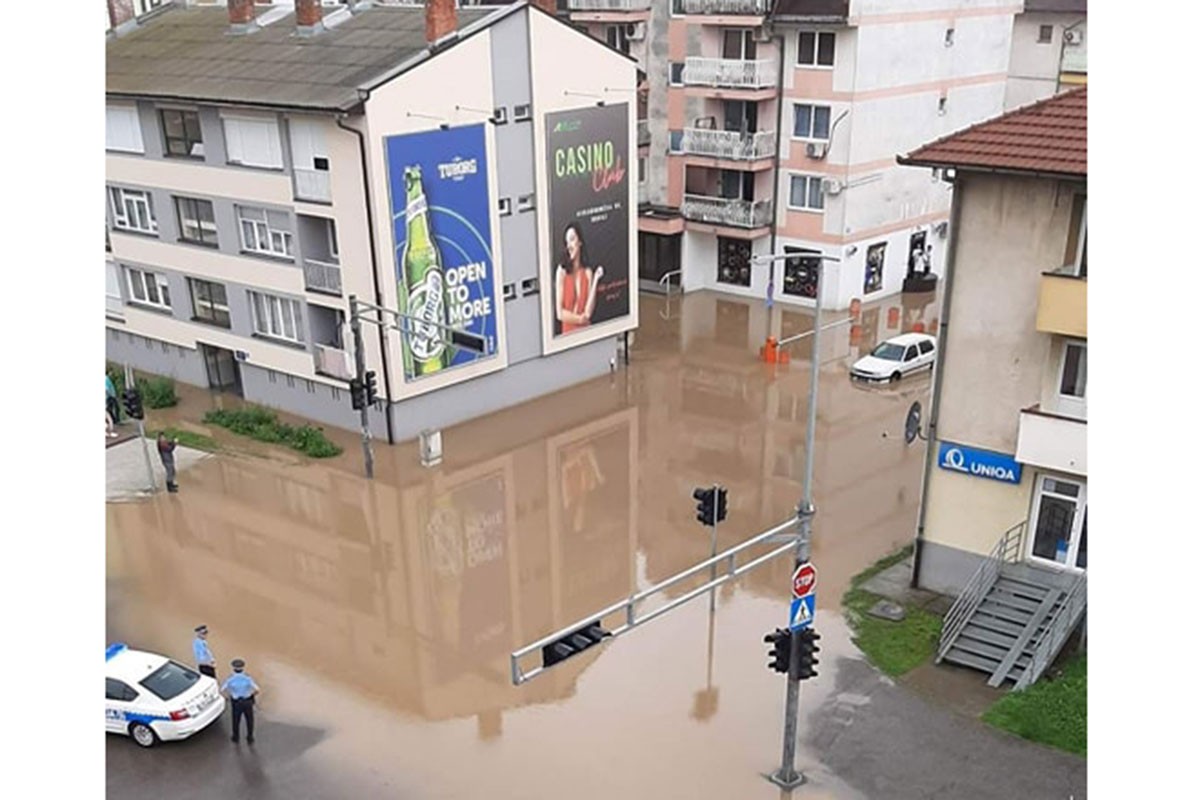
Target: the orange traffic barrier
pixel 855 307
pixel 918 327
pixel 855 334
pixel 770 351
pixel 893 317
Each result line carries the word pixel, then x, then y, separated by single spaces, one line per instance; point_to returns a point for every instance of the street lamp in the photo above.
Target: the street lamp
pixel 787 776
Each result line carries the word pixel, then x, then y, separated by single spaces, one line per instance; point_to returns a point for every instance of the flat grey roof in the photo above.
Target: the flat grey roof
pixel 190 54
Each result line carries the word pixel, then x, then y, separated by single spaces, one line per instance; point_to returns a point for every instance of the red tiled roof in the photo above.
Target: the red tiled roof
pixel 1048 137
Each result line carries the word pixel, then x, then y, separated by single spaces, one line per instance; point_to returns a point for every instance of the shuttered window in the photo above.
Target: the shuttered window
pixel 123 130
pixel 253 142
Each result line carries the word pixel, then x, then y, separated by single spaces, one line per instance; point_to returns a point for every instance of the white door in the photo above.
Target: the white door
pixel 1058 528
pixel 912 359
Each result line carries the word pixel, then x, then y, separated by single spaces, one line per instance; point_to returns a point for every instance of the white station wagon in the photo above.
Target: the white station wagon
pixel 152 698
pixel 896 357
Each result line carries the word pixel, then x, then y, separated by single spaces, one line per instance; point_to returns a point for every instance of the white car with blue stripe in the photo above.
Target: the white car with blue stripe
pixel 152 698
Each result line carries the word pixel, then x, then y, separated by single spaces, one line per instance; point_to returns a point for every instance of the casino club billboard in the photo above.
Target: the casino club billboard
pixel 441 225
pixel 588 174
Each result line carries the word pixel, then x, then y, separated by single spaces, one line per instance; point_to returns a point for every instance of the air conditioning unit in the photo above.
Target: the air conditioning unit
pixel 1072 37
pixel 941 228
pixel 816 150
pixel 831 186
pixel 635 32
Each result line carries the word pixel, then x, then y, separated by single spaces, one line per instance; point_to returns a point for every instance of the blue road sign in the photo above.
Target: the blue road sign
pixel 803 611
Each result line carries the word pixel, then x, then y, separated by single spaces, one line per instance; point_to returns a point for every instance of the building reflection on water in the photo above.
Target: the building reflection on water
pixel 414 588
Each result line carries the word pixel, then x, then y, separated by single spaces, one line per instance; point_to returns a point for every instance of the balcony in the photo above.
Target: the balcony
pixel 733 213
pixel 731 145
pixel 332 362
pixel 321 276
pixel 313 184
pixel 608 5
pixel 1052 441
pixel 1062 305
pixel 756 8
pixel 643 132
pixel 730 73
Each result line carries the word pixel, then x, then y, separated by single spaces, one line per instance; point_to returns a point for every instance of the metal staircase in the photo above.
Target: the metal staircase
pixel 1012 618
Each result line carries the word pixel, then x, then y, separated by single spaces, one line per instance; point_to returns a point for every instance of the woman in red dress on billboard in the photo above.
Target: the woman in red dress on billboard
pixel 575 284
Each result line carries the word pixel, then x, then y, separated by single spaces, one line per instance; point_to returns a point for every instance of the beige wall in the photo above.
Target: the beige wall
pixel 970 513
pixel 1012 229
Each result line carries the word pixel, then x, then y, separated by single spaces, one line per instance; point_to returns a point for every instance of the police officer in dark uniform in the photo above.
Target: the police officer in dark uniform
pixel 241 689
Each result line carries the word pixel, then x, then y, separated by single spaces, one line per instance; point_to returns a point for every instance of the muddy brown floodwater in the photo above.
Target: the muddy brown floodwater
pixel 379 616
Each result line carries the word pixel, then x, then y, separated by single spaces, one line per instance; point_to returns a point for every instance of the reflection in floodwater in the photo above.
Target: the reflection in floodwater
pixel 408 593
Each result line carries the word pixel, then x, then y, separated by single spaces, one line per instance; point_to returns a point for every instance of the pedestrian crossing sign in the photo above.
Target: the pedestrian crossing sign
pixel 803 611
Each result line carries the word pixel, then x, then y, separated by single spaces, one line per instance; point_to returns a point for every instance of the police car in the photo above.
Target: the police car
pixel 152 698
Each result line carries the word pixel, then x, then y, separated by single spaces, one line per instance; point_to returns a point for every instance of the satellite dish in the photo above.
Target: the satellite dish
pixel 912 423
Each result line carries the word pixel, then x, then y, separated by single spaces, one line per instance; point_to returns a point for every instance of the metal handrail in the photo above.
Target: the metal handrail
pixel 666 278
pixel 969 599
pixel 629 605
pixel 1056 632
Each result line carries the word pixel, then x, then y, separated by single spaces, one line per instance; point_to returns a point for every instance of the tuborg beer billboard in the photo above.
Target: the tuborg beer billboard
pixel 588 174
pixel 441 225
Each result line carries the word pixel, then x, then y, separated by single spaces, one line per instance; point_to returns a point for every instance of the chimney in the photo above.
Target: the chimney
pixel 308 17
pixel 549 6
pixel 441 18
pixel 241 12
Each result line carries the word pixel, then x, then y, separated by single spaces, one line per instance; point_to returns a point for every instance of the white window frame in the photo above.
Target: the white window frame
pixel 809 177
pixel 112 287
pixel 1081 505
pixel 619 36
pixel 123 116
pixel 235 127
pixel 331 239
pixel 747 43
pixel 263 239
pixel 211 305
pixel 1073 405
pixel 272 316
pixel 811 121
pixel 125 204
pixel 148 283
pixel 1081 241
pixel 817 34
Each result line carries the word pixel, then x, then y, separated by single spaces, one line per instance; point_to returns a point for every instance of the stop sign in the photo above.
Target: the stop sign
pixel 804 580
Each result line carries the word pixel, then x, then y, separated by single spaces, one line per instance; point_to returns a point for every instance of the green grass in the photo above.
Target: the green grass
pixel 262 424
pixel 893 647
pixel 1052 712
pixel 191 439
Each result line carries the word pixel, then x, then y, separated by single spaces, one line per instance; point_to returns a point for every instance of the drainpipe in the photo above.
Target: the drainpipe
pixel 780 43
pixel 939 367
pixel 387 381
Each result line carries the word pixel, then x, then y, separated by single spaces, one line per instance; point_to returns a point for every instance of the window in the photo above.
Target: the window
pixel 806 193
pixel 802 272
pixel 1075 255
pixel 181 132
pixel 500 115
pixel 733 261
pixel 529 286
pixel 816 48
pixel 132 210
pixel 525 202
pixel 331 238
pixel 209 303
pixel 949 37
pixel 811 122
pixel 926 347
pixel 123 129
pixel 170 680
pixel 253 142
pixel 1073 381
pixel 266 232
pixel 505 206
pixel 148 288
pixel 112 287
pixel 1045 34
pixel 522 112
pixel 642 171
pixel 510 291
pixel 676 72
pixel 739 45
pixel 911 353
pixel 675 141
pixel 617 37
pixel 277 317
pixel 942 106
pixel 196 222
pixel 118 690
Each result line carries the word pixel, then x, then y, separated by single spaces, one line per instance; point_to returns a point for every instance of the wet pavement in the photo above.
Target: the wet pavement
pixel 378 616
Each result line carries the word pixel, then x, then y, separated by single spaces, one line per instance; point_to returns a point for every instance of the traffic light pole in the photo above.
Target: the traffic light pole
pixel 360 371
pixel 141 423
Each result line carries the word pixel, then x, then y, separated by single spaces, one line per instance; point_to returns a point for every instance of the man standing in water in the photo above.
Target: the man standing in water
pixel 166 452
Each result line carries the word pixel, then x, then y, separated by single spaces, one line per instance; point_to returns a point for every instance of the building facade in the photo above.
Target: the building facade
pixel 1049 51
pixel 1008 441
pixel 329 160
pixel 772 128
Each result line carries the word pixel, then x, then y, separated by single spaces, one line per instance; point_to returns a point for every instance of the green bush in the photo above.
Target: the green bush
pixel 262 424
pixel 157 391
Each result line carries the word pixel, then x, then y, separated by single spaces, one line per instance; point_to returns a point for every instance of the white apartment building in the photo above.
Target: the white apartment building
pixel 1049 51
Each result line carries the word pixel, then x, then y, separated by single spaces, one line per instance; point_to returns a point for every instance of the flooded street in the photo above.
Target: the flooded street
pixel 378 616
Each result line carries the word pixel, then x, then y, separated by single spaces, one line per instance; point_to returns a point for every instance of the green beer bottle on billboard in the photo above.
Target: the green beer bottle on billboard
pixel 426 349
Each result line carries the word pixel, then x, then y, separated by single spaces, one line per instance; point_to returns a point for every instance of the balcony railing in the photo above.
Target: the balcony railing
pixel 719 211
pixel 730 73
pixel 331 361
pixel 112 305
pixel 608 5
pixel 755 7
pixel 320 276
pixel 1062 304
pixel 1052 441
pixel 729 144
pixel 313 184
pixel 643 132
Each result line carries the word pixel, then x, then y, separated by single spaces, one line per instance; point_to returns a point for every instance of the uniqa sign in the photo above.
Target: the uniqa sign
pixel 981 463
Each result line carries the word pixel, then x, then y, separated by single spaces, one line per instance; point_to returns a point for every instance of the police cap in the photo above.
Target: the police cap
pixel 237 664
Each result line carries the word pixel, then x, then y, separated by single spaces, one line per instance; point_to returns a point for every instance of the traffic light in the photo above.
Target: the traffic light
pixel 705 506
pixel 358 398
pixel 573 643
pixel 133 404
pixel 781 649
pixel 721 504
pixel 371 388
pixel 806 666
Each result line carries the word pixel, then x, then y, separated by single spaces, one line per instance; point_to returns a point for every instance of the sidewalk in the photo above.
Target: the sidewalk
pixel 125 468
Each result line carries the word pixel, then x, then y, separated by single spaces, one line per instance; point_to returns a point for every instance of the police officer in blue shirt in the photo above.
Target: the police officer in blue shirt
pixel 204 657
pixel 241 689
